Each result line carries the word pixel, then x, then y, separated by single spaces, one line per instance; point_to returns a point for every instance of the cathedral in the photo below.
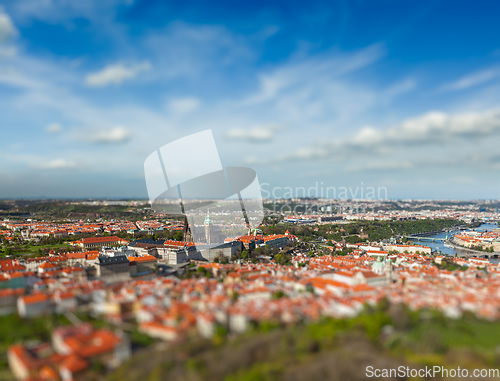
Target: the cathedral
pixel 210 234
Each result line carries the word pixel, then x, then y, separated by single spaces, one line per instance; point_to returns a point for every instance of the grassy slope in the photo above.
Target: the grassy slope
pixel 325 350
pixel 13 329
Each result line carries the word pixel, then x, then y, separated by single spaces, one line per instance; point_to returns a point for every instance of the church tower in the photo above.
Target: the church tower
pixel 187 234
pixel 209 234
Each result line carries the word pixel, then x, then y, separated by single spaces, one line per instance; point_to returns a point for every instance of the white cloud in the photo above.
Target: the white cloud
pixel 428 129
pixel 401 88
pixel 183 105
pixel 251 160
pixel 435 126
pixel 7 28
pixel 64 11
pixel 53 128
pixel 55 164
pixel 115 74
pixel 257 134
pixel 320 74
pixel 201 53
pixel 115 135
pixel 473 80
pixel 318 91
pixel 269 88
pixel 457 159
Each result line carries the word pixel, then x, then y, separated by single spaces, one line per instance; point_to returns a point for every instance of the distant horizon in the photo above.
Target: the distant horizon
pixel 264 199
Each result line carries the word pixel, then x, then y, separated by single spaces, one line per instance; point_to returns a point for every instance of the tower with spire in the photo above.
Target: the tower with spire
pixel 209 233
pixel 187 234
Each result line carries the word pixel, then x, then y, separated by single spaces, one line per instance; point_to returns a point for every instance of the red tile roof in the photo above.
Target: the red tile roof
pixel 145 258
pixel 102 240
pixel 35 298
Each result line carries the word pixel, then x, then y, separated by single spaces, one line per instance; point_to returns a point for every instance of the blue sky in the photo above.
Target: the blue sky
pixel 401 95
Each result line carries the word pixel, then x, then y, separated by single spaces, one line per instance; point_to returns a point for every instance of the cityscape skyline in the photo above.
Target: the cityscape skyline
pixel 224 190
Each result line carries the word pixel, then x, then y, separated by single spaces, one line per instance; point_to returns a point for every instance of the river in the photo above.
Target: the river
pixel 439 245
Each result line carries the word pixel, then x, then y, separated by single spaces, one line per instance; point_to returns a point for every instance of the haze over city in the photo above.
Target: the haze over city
pixel 388 94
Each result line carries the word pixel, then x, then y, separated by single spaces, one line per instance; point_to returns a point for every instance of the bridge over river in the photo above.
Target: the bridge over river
pixel 431 239
pixel 443 241
pixel 426 236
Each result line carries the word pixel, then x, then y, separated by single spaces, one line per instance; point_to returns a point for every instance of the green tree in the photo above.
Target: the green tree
pixel 282 258
pixel 278 294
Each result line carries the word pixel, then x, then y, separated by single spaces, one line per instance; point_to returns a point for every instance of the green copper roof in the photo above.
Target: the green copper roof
pixel 207 218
